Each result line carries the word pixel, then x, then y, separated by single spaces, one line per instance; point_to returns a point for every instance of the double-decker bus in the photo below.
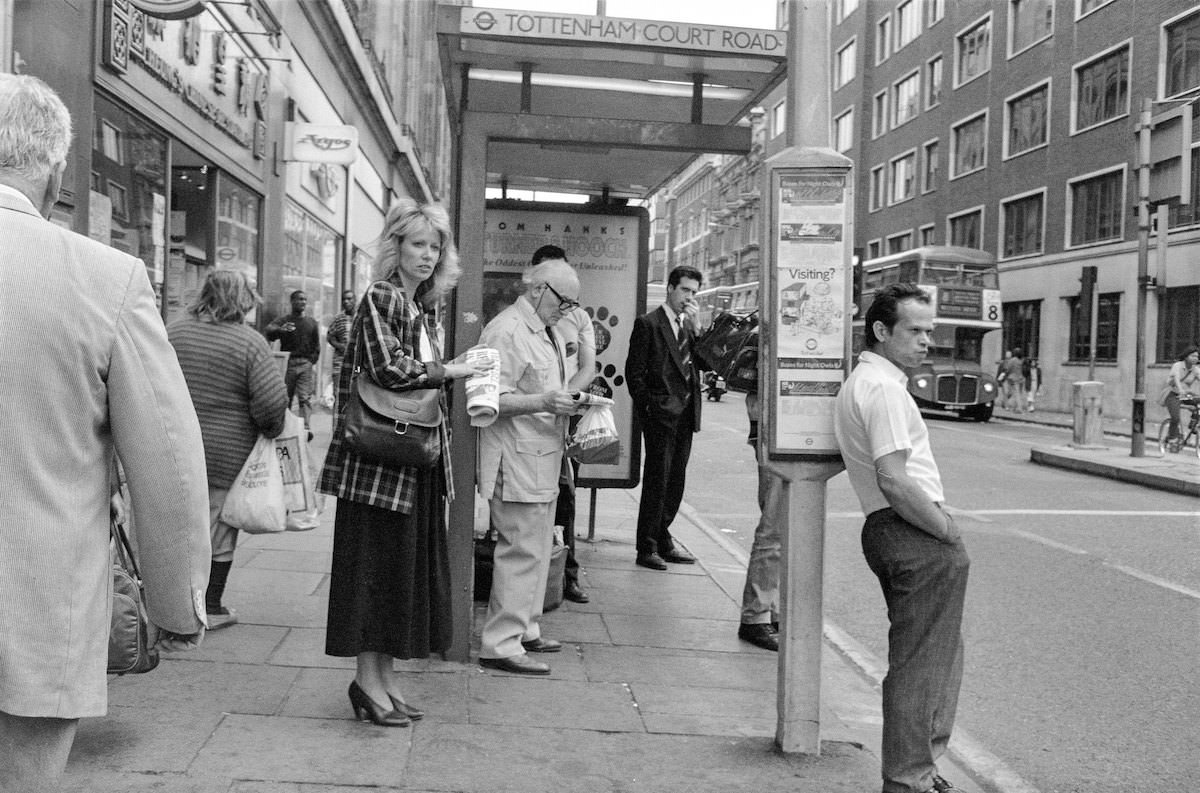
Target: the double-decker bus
pixel 964 286
pixel 740 299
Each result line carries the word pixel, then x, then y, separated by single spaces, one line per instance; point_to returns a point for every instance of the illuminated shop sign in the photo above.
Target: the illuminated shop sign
pixel 612 30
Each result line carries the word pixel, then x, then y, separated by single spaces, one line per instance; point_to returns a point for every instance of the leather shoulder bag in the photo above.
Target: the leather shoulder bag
pixel 393 428
pixel 131 635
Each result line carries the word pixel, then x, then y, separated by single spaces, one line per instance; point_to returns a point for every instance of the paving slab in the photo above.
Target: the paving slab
pixel 150 737
pixel 683 668
pixel 322 693
pixel 561 704
pixel 304 561
pixel 213 688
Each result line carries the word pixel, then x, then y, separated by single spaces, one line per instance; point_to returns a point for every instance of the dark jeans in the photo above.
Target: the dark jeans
pixel 564 515
pixel 924 583
pixel 667 449
pixel 301 383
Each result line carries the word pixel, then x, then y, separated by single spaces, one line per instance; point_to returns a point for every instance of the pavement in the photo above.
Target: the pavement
pixel 653 692
pixel 1111 457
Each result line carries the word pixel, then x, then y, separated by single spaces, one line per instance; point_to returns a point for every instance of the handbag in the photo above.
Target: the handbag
pixel 131 635
pixel 394 428
pixel 742 375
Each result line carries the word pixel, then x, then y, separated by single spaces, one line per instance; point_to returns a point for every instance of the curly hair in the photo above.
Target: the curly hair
pixel 406 216
pixel 226 296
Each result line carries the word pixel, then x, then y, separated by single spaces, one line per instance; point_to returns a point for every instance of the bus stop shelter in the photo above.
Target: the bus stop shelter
pixel 607 107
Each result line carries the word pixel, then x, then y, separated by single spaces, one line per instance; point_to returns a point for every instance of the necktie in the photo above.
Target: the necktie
pixel 562 372
pixel 685 348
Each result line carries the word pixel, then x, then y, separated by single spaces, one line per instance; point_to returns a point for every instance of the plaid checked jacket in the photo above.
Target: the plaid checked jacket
pixel 384 344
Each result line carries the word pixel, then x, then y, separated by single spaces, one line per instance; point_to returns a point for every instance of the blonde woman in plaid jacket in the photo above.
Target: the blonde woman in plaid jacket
pixel 390 585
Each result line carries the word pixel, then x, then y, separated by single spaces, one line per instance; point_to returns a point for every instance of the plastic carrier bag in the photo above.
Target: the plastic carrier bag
pixel 596 441
pixel 255 503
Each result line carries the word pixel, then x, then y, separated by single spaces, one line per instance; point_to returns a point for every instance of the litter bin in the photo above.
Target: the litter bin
pixel 1087 403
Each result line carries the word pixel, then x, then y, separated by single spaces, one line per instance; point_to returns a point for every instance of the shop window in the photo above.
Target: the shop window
pixel 1183 54
pixel 239 213
pixel 1022 326
pixel 1178 322
pixel 1096 206
pixel 1102 89
pixel 1108 320
pixel 1022 220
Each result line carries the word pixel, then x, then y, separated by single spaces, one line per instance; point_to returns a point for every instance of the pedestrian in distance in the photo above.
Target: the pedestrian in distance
pixel 910 542
pixel 1033 381
pixel 759 623
pixel 1012 379
pixel 1184 378
pixel 520 461
pixel 337 336
pixel 664 381
pixel 299 336
pixel 86 372
pixel 238 394
pixel 579 356
pixel 389 589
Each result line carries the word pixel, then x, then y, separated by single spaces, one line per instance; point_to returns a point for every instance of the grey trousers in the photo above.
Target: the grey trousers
pixel 33 752
pixel 524 539
pixel 924 582
pixel 760 596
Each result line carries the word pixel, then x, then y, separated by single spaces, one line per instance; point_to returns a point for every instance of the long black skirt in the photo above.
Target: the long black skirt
pixel 389 586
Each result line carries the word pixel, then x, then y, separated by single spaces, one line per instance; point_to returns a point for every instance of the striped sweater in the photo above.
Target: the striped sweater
pixel 236 388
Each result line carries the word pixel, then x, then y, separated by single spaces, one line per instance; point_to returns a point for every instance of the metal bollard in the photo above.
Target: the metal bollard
pixel 1087 403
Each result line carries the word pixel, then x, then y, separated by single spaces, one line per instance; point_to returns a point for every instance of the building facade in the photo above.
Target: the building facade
pixel 1010 126
pixel 187 154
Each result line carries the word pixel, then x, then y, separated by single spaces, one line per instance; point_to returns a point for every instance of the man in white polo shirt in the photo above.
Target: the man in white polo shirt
pixel 910 542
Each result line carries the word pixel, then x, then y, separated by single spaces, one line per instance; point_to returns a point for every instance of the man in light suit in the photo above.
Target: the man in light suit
pixel 81 380
pixel 664 381
pixel 520 457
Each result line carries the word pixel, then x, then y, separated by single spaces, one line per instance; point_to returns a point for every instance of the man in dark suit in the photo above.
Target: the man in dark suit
pixel 664 381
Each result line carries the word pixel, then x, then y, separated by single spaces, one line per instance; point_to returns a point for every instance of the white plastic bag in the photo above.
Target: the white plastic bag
pixel 596 441
pixel 255 502
pixel 299 485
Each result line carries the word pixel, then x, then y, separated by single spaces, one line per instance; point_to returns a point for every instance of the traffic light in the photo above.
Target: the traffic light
pixel 1087 288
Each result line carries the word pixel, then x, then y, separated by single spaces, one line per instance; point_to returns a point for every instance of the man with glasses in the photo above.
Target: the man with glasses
pixel 520 457
pixel 664 381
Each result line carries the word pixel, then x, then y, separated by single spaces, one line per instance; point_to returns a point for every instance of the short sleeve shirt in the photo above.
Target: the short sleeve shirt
pixel 578 334
pixel 875 416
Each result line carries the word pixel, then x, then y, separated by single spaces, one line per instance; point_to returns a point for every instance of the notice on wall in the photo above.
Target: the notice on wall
pixel 607 247
pixel 809 319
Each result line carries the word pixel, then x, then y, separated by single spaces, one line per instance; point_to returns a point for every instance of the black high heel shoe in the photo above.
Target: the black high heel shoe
pixel 365 709
pixel 404 709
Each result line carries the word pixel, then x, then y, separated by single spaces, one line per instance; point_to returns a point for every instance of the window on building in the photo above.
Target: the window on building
pixel 1022 225
pixel 1108 319
pixel 932 164
pixel 928 235
pixel 1186 214
pixel 843 67
pixel 1029 21
pixel 969 145
pixel 883 39
pixel 1022 327
pixel 967 229
pixel 900 243
pixel 874 249
pixel 973 51
pixel 1097 203
pixel 879 116
pixel 1182 54
pixel 933 82
pixel 904 177
pixel 1088 6
pixel 779 119
pixel 1178 322
pixel 908 22
pixel 1102 89
pixel 878 182
pixel 935 10
pixel 1027 120
pixel 843 131
pixel 845 8
pixel 905 95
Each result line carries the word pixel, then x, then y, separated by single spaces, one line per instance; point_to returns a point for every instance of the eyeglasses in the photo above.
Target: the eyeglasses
pixel 563 303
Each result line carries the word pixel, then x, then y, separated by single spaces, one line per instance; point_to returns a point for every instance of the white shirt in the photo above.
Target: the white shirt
pixel 676 320
pixel 875 416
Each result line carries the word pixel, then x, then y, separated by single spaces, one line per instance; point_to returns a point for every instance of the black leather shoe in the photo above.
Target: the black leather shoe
pixel 941 785
pixel 651 560
pixel 540 645
pixel 518 664
pixel 759 635
pixel 676 556
pixel 573 593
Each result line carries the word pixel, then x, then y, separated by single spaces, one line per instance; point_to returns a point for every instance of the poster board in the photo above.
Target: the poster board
pixel 608 247
pixel 808 310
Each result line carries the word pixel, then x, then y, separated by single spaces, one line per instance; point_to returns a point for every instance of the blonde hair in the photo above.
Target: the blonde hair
pixel 405 217
pixel 35 127
pixel 226 296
